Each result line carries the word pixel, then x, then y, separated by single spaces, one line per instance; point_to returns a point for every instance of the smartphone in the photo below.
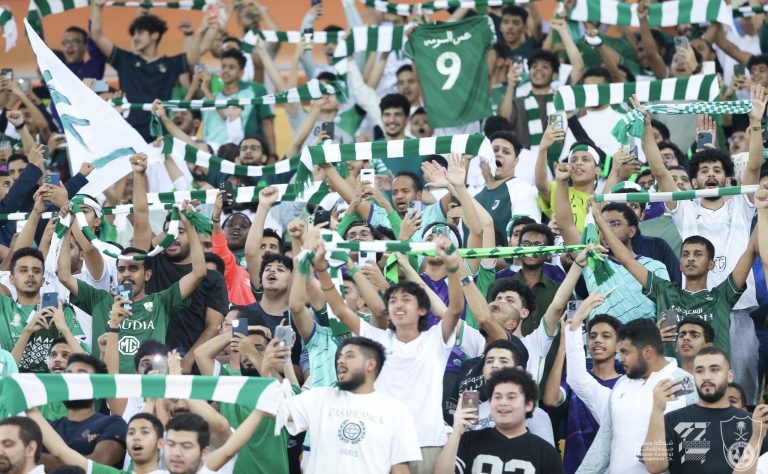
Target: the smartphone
pixel 7 73
pixel 686 386
pixel 681 42
pixel 240 326
pixel 199 67
pixel 159 363
pixel 100 86
pixel 608 293
pixel 573 306
pixel 49 300
pixel 703 138
pixel 470 399
pixel 316 2
pixel 517 59
pixel 366 258
pixel 668 318
pixel 368 176
pixel 321 216
pixel 53 178
pixel 739 70
pixel 630 151
pixel 126 291
pixel 557 121
pixel 286 334
pixel 25 85
pixel 414 207
pixel 46 153
pixel 226 186
pixel 307 33
pixel 327 127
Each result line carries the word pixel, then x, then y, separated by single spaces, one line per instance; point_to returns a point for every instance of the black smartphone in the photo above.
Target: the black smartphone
pixel 328 127
pixel 321 215
pixel 739 70
pixel 702 139
pixel 7 73
pixel 240 326
pixel 226 186
pixel 126 291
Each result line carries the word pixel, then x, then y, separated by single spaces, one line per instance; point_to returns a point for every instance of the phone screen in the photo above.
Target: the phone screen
pixel 126 291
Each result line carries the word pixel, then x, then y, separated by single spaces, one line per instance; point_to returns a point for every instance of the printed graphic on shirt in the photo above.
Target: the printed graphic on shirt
pixel 693 444
pixel 352 432
pixel 737 451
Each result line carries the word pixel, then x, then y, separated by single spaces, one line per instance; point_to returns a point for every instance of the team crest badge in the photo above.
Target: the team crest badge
pixel 149 306
pixel 738 453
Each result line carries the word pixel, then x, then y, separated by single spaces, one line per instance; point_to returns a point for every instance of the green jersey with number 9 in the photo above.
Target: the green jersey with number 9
pixel 451 62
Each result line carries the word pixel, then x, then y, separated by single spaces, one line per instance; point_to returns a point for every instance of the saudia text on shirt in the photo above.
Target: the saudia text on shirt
pixel 449 39
pixel 137 325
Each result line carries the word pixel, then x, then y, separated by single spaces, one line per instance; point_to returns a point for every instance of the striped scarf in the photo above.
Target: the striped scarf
pixel 361 39
pixel 750 10
pixel 403 9
pixel 670 13
pixel 8 25
pixel 596 262
pixel 533 114
pixel 271 36
pixel 632 123
pixel 677 195
pixel 699 87
pixel 312 90
pixel 24 391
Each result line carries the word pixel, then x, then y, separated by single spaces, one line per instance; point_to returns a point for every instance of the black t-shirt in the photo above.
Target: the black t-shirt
pixel 273 321
pixel 488 450
pixel 185 327
pixel 143 81
pixel 699 439
pixel 83 436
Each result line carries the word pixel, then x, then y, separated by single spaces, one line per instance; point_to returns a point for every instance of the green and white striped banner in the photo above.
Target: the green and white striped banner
pixel 8 25
pixel 698 87
pixel 198 157
pixel 750 10
pixel 312 90
pixel 271 36
pixel 670 13
pixel 677 195
pixel 38 9
pixel 371 39
pixel 20 392
pixel 404 9
pixel 428 248
pixel 632 123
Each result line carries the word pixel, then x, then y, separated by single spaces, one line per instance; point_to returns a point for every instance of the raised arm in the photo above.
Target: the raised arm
pixel 506 107
pixel 563 211
pixel 335 301
pixel 551 135
pixel 64 271
pixel 267 197
pixel 620 251
pixel 297 304
pixel 54 444
pixel 237 440
pixel 205 353
pixel 751 174
pixel 574 55
pixel 553 392
pixel 761 202
pixel 191 280
pixel 744 264
pixel 655 61
pixel 142 232
pixel 656 435
pixel 104 43
pixel 453 263
pixel 565 290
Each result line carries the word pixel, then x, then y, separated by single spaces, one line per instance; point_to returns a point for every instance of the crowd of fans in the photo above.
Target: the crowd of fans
pixel 493 365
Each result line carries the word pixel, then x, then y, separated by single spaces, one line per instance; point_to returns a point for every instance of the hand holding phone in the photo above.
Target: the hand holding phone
pixel 240 326
pixel 286 334
pixel 368 176
pixel 703 139
pixel 125 290
pixel 686 386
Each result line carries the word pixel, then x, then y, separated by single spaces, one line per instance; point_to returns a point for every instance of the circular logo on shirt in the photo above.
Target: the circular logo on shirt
pixel 351 431
pixel 128 345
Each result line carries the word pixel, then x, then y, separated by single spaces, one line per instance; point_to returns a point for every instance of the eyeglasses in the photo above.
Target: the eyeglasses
pixel 363 234
pixel 528 243
pixel 668 156
pixel 615 223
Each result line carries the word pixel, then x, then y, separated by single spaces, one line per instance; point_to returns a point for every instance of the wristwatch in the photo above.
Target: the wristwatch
pixel 467 280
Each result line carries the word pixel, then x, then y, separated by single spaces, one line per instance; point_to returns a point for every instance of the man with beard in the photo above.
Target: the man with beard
pixel 57 364
pixel 99 437
pixel 146 316
pixel 74 45
pixel 408 85
pixel 617 446
pixel 353 427
pixel 726 223
pixel 697 259
pixel 20 445
pixel 709 422
pixel 198 321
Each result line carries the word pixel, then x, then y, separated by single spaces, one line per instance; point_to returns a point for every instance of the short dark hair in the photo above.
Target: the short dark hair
pixel 413 289
pixel 740 389
pixel 682 160
pixel 17 157
pixel 625 211
pixel 370 349
pixel 357 224
pixel 598 71
pixel 191 422
pixel 517 377
pixel 211 257
pixel 515 10
pixel 680 168
pixel 270 232
pixel 228 151
pixel 627 73
pixel 697 239
pixel 149 347
pixel 28 431
pixel 150 24
pixel 496 123
pixel 546 56
pixel 756 60
pixel 710 155
pixel 235 54
pixel 642 332
pixel 26 252
pixel 395 101
pixel 713 350
pixel 254 316
pixel 663 130
pixel 509 284
pixel 540 229
pixel 157 425
pixel 98 365
pixel 78 30
pixel 508 136
pixel 419 111
pixel 326 76
pixel 436 159
pixel 414 177
pixel 604 318
pixel 507 345
pixel 58 340
pixel 404 68
pixel 278 258
pixel 707 330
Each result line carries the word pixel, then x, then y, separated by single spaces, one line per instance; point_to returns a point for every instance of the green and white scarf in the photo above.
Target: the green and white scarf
pixel 403 9
pixel 677 195
pixel 596 262
pixel 750 10
pixel 24 391
pixel 533 114
pixel 671 13
pixel 698 87
pixel 632 123
pixel 8 25
pixel 271 36
pixel 312 90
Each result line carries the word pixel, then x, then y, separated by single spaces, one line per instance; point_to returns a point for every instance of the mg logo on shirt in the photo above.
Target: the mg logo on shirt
pixel 128 345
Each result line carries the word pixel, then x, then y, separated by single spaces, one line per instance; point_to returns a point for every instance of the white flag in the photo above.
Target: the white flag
pixel 96 133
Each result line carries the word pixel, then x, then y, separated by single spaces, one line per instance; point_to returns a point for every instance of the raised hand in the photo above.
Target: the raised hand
pixel 757 95
pixel 637 105
pixel 435 175
pixel 139 163
pixel 551 135
pixel 456 173
pixel 563 172
pixel 268 196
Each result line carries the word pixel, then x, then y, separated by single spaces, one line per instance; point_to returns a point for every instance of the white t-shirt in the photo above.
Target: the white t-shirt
pixel 413 373
pixel 728 230
pixel 354 432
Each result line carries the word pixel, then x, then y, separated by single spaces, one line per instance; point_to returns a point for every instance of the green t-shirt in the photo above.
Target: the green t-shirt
pixel 713 306
pixel 96 468
pixel 13 319
pixel 497 95
pixel 450 61
pixel 264 453
pixel 149 319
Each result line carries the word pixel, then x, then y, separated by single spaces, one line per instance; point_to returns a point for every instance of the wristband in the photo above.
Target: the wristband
pixel 577 263
pixel 453 269
pixel 328 289
pixel 189 33
pixel 353 271
pixel 756 128
pixel 23 124
pixel 467 280
pixel 215 221
pixel 111 329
